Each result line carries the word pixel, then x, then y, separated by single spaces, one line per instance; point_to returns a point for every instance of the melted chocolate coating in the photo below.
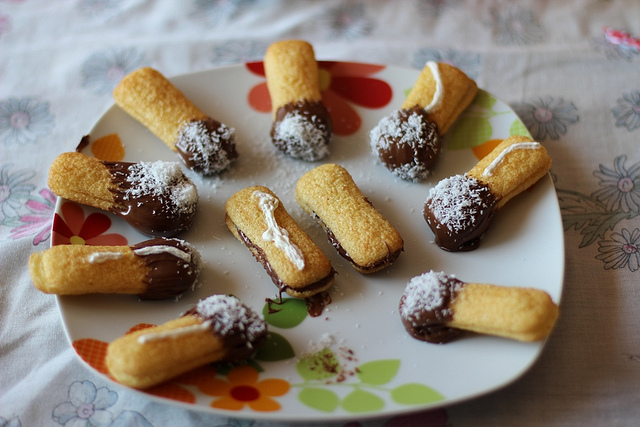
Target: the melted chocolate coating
pixel 407 143
pixel 261 257
pixel 459 215
pixel 307 132
pixel 429 324
pixel 157 215
pixel 169 275
pixel 206 146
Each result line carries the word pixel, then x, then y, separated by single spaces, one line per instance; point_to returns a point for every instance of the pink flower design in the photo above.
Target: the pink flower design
pixel 73 228
pixel 38 222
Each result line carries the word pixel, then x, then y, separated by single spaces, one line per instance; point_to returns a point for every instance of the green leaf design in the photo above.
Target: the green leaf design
pixel 362 401
pixel 378 372
pixel 484 100
pixel 581 212
pixel 319 398
pixel 469 131
pixel 275 348
pixel 318 366
pixel 415 394
pixel 518 128
pixel 290 313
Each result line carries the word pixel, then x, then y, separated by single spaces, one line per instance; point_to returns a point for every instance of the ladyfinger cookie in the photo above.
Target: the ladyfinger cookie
pixel 354 227
pixel 218 329
pixel 301 123
pixel 295 263
pixel 436 308
pixel 204 144
pixel 154 269
pixel 459 209
pixel 156 198
pixel 408 141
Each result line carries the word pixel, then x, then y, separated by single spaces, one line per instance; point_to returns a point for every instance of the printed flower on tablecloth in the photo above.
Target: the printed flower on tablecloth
pixel 215 12
pixel 14 191
pixel 24 120
pixel 469 62
pixel 102 71
pixel 340 84
pixel 623 250
pixel 547 117
pixel 513 24
pixel 595 214
pixel 347 20
pixel 87 405
pixel 620 186
pixel 237 51
pixel 37 222
pixel 627 111
pixel 73 228
pixel 243 388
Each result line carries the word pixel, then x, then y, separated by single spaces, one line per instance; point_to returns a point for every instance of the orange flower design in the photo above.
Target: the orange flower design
pixel 243 388
pixel 72 228
pixel 341 84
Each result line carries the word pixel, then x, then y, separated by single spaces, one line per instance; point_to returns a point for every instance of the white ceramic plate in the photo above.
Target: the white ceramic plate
pixel 355 361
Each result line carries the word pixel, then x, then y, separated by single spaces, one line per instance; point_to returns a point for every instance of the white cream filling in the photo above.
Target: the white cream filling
pixel 174 333
pixel 519 146
pixel 100 257
pixel 278 235
pixel 439 92
pixel 159 249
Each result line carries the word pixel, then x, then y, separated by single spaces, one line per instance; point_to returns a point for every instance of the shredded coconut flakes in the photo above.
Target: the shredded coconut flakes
pixel 427 292
pixel 227 314
pixel 455 200
pixel 206 147
pixel 162 180
pixel 303 138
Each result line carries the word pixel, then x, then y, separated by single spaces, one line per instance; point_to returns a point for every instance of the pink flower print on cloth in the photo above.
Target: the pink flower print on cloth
pixel 38 221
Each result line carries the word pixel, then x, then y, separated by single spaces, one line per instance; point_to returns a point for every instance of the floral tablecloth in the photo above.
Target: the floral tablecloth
pixel 571 70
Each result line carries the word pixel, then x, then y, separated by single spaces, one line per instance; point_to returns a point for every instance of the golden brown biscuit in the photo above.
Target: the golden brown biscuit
pixel 218 329
pixel 156 198
pixel 301 123
pixel 436 307
pixel 444 91
pixel 513 166
pixel 408 140
pixel 355 228
pixel 295 263
pixel 204 144
pixel 154 269
pixel 459 209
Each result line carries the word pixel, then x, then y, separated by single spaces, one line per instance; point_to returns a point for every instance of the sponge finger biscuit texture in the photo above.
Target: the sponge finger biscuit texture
pixel 292 73
pixel 245 214
pixel 329 192
pixel 154 101
pixel 459 91
pixel 83 179
pixel 523 314
pixel 515 170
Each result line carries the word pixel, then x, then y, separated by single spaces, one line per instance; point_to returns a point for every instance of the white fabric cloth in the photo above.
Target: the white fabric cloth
pixel 577 92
